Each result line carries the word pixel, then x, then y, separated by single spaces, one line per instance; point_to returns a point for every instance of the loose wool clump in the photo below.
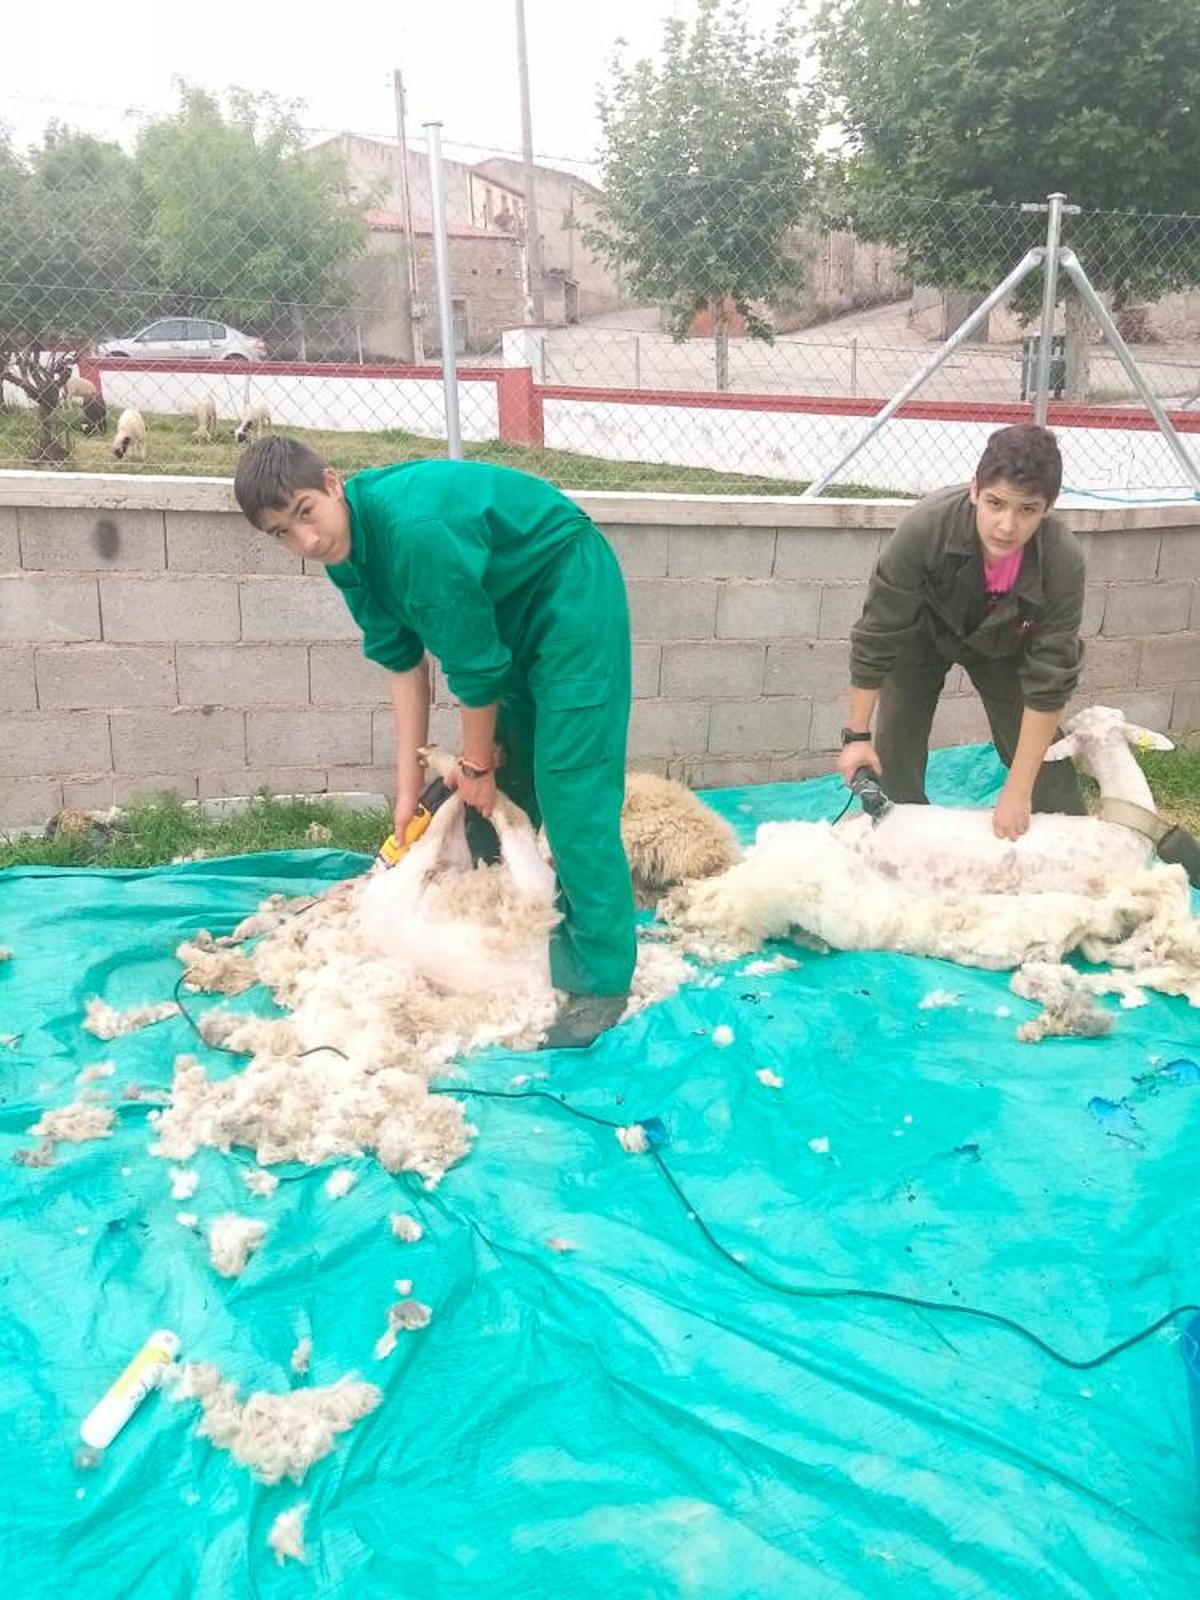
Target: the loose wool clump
pixel 1068 1008
pixel 407 1229
pixel 99 1069
pixel 275 1436
pixel 106 1023
pixel 386 980
pixel 75 1123
pixel 213 969
pixel 259 1182
pixel 231 1242
pixel 938 1000
pixel 760 969
pixel 184 1183
pixel 286 1537
pixel 340 1183
pixel 301 1357
pixel 407 1316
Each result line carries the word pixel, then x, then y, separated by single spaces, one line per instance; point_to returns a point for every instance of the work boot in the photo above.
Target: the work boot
pixel 582 1018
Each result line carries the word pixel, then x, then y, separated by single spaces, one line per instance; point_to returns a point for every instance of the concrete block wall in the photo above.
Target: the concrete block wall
pixel 149 640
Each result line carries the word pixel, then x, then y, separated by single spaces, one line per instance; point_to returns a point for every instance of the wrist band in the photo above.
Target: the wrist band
pixel 471 769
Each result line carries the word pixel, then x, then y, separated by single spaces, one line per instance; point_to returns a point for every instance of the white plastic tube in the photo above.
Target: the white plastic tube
pixel 109 1415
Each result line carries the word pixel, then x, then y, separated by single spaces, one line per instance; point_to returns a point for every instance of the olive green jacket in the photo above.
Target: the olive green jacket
pixel 929 580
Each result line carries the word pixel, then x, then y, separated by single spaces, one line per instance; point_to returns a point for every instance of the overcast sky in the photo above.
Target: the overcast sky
pixel 98 63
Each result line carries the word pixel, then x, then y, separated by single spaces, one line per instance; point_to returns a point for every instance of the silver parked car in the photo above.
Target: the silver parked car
pixel 186 339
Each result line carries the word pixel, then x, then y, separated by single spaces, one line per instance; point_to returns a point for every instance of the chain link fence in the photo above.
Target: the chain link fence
pixel 214 301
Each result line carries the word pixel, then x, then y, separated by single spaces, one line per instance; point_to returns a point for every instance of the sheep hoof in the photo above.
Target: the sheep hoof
pixel 582 1019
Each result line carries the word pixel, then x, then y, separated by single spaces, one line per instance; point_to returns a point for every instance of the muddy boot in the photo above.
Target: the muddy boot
pixel 582 1018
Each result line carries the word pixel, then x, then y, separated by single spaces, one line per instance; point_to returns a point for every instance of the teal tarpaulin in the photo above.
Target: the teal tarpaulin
pixel 633 1417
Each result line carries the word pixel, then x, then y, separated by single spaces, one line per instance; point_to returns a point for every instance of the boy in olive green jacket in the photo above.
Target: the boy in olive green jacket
pixel 985 576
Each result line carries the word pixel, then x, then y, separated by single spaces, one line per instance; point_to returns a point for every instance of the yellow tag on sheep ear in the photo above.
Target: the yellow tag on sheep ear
pixel 1144 741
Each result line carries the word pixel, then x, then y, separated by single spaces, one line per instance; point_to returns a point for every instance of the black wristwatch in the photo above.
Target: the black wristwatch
pixel 850 736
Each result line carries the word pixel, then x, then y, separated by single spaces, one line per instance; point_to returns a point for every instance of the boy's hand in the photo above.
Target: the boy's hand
pixel 857 754
pixel 1011 817
pixel 408 797
pixel 479 793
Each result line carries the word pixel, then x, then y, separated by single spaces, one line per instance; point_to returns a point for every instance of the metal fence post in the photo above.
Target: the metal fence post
pixel 854 368
pixel 441 262
pixel 1028 262
pixel 1041 398
pixel 1123 354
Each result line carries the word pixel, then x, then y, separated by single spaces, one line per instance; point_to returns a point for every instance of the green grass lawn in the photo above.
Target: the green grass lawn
pixel 159 831
pixel 1175 779
pixel 171 448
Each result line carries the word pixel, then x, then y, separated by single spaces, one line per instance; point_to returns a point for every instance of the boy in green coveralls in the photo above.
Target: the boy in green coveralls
pixel 984 575
pixel 508 585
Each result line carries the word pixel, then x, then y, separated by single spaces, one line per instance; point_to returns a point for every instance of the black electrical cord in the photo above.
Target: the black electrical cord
pixel 776 1285
pixel 849 802
pixel 317 1049
pixel 820 1292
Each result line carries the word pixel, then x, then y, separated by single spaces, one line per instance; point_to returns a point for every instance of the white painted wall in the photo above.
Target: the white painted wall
pixel 336 402
pixel 907 456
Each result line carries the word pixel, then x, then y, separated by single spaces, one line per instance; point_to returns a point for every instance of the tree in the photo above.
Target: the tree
pixel 705 162
pixel 247 226
pixel 1007 101
pixel 74 257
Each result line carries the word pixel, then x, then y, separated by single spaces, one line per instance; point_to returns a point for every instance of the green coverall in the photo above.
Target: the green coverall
pixel 516 593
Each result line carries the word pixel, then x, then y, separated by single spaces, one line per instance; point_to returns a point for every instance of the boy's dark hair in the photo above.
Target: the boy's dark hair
pixel 271 470
pixel 1024 454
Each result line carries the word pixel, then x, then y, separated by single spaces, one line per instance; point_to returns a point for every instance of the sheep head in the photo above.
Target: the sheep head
pixel 1102 728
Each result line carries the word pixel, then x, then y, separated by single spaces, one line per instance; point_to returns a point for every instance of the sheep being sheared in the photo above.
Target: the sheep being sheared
pixel 802 876
pixel 387 980
pixel 934 881
pixel 953 848
pixel 669 835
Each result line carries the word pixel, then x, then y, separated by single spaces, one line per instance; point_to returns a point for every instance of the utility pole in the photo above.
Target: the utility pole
pixel 412 292
pixel 535 303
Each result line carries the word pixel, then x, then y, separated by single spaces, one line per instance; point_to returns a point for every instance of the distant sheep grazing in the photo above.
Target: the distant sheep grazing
pixel 256 420
pixel 205 413
pixel 131 436
pixel 95 414
pixel 91 402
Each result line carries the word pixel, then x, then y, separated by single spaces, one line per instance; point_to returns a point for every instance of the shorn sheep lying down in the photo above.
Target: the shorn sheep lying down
pixel 953 847
pixel 934 881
